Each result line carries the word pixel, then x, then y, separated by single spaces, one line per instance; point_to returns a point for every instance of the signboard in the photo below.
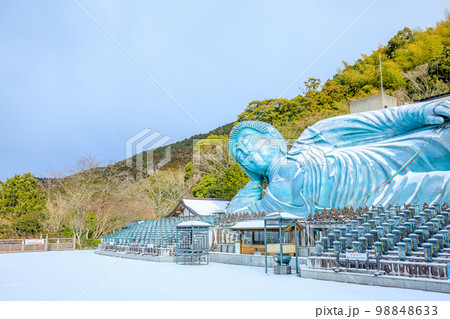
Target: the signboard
pixel 34 241
pixel 356 256
pixel 275 248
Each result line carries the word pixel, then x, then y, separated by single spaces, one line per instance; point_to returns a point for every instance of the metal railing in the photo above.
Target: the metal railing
pixel 34 244
pixel 137 249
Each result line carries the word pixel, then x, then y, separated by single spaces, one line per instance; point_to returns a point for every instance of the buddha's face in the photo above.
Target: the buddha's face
pixel 255 151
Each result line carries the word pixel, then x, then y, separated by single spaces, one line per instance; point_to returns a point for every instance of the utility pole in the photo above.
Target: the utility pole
pixel 381 74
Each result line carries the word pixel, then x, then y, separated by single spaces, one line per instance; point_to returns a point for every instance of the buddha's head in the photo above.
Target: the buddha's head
pixel 255 145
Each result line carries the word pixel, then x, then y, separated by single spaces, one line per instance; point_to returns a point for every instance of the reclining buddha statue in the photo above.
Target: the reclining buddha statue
pixel 395 155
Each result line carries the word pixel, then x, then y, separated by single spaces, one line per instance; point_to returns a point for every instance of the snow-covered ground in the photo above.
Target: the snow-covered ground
pixel 73 275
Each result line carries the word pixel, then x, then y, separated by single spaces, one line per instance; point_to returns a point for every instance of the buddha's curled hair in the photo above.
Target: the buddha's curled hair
pixel 257 126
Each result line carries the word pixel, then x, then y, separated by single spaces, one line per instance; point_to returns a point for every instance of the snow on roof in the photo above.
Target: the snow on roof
pixel 283 215
pixel 251 224
pixel 194 223
pixel 133 223
pixel 206 206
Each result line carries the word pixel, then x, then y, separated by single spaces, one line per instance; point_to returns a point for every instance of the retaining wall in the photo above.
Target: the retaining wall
pixel 383 281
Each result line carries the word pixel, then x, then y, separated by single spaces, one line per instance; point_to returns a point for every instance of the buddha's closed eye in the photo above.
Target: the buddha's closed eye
pixel 240 156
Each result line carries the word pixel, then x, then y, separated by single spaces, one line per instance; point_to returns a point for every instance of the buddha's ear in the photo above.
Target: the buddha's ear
pixel 274 132
pixel 276 135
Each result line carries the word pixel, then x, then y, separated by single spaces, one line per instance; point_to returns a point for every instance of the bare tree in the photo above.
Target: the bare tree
pixel 162 190
pixel 211 155
pixel 87 201
pixel 94 201
pixel 422 85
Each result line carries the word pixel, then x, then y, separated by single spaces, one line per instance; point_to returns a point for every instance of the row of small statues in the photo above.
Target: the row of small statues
pixel 339 214
pixel 425 206
pixel 336 214
pixel 232 218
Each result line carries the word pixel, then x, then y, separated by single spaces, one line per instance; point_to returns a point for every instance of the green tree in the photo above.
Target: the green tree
pixel 312 85
pixel 423 49
pixel 216 172
pixel 400 40
pixel 22 205
pixel 221 185
pixel 272 111
pixel 231 181
pixel 188 171
pixel 207 187
pixel 440 66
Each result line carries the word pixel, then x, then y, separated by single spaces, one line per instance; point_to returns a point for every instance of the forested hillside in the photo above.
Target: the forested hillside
pixel 96 200
pixel 181 152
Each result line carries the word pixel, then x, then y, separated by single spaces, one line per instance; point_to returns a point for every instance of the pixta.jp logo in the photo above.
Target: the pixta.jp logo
pixel 141 145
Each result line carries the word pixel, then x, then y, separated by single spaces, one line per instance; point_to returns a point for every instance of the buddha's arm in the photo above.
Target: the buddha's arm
pixel 255 206
pixel 374 126
pixel 247 195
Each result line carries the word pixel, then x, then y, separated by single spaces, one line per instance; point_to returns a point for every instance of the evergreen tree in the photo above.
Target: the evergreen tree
pixel 22 205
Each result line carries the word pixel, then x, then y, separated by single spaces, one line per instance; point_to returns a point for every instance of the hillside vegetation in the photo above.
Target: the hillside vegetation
pixel 95 200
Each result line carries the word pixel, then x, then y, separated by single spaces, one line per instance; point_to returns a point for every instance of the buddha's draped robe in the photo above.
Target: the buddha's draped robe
pixel 338 161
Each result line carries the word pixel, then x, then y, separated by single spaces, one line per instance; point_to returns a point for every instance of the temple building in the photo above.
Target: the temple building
pixel 196 206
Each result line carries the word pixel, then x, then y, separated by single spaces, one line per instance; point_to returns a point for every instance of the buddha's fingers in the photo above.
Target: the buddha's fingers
pixel 434 120
pixel 443 110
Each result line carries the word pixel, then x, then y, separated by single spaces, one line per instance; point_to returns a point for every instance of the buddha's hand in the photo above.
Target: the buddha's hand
pixel 436 113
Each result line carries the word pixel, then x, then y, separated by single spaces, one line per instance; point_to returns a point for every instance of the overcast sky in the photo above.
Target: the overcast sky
pixel 68 90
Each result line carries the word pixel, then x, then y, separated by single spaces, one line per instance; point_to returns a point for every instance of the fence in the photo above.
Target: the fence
pixel 136 249
pixel 390 267
pixel 42 244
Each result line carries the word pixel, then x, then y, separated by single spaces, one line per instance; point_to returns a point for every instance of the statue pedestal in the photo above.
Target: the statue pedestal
pixel 286 270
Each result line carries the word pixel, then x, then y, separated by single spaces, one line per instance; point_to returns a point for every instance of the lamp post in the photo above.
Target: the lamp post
pixel 282 220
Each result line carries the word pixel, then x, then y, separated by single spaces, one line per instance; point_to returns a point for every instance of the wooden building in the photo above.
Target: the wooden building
pixel 251 236
pixel 195 206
